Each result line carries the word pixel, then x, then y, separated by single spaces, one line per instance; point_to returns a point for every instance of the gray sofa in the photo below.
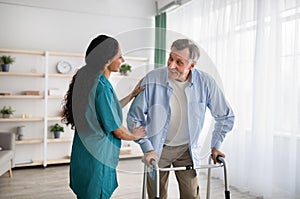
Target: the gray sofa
pixel 7 143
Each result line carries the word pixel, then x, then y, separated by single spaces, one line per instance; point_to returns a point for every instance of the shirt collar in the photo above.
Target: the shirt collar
pixel 191 78
pixel 104 80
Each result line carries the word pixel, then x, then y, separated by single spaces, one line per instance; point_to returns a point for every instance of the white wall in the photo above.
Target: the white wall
pixel 66 25
pixel 69 26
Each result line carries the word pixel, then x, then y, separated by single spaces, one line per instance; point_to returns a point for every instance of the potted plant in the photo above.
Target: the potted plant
pixel 124 69
pixel 57 129
pixel 7 112
pixel 6 61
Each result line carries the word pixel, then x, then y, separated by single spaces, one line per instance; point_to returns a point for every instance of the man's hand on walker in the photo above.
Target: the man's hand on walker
pixel 149 155
pixel 215 153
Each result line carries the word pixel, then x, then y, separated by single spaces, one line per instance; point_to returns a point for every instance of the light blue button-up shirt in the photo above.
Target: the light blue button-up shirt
pixel 151 109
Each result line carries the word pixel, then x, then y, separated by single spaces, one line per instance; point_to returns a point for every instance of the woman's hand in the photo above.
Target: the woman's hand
pixel 134 93
pixel 138 132
pixel 137 89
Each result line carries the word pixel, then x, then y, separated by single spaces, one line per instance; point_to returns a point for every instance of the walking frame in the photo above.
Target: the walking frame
pixel 209 166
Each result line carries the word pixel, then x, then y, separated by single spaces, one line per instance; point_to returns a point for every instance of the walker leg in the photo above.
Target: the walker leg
pixel 156 178
pixel 156 169
pixel 144 182
pixel 227 192
pixel 208 180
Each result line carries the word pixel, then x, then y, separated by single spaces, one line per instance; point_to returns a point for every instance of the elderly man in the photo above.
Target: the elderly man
pixel 172 109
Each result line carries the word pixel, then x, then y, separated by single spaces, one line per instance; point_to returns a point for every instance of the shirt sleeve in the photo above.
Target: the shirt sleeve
pixel 221 111
pixel 137 114
pixel 107 109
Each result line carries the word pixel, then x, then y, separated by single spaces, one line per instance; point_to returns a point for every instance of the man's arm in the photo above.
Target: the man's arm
pixel 137 115
pixel 223 115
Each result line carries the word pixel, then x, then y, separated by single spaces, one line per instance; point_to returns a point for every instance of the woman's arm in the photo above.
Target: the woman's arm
pixel 131 95
pixel 124 134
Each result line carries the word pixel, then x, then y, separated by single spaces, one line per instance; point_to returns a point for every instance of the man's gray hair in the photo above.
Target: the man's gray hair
pixel 181 44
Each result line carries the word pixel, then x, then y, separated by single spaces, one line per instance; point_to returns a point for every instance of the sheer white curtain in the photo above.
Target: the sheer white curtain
pixel 255 45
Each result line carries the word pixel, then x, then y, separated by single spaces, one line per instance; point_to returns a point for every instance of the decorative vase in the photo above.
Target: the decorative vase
pixel 20 132
pixel 20 137
pixel 5 67
pixel 6 115
pixel 56 134
pixel 123 73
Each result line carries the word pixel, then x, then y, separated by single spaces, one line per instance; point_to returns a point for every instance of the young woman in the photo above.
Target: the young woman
pixel 92 108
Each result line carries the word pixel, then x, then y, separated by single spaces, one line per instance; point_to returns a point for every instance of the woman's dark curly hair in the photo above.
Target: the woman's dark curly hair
pixel 92 57
pixel 67 114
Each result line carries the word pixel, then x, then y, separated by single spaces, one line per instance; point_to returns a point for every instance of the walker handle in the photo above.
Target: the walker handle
pixel 220 159
pixel 153 162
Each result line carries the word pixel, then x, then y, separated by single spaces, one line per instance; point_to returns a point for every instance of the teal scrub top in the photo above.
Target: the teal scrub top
pixel 95 154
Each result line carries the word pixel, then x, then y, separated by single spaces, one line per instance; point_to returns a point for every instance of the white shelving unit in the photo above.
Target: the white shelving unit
pixel 37 70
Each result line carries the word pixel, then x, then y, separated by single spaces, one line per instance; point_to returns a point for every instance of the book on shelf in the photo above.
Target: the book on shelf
pixel 23 162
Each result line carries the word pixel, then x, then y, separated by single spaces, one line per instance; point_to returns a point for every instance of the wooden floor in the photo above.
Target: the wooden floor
pixel 52 182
